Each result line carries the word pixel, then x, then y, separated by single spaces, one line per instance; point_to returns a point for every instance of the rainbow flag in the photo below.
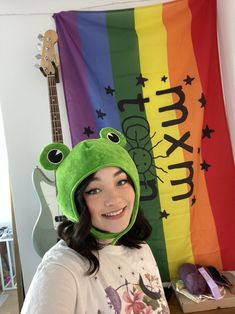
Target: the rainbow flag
pixel 153 73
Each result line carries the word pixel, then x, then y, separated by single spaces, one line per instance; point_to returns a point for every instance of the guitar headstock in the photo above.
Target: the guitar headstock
pixel 49 57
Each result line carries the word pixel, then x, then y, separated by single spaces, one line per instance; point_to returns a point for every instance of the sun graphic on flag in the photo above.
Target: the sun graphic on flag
pixel 141 149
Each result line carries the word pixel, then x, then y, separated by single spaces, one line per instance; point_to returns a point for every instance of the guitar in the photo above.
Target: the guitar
pixel 44 232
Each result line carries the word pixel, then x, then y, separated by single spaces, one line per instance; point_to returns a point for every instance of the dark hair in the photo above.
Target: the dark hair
pixel 78 236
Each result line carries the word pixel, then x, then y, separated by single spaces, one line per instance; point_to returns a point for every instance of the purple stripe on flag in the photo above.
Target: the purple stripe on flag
pixel 75 78
pixel 95 47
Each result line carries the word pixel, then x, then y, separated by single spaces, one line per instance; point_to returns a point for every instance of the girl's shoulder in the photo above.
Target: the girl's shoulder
pixel 146 248
pixel 62 255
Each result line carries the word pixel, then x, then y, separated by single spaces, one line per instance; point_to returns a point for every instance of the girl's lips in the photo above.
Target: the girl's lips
pixel 114 214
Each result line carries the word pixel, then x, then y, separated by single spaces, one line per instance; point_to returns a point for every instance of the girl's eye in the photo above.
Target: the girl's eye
pixel 92 191
pixel 122 182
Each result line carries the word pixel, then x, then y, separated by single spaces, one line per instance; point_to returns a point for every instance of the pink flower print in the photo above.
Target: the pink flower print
pixel 135 302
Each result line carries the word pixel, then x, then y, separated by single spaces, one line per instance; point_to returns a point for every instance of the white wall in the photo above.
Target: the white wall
pixel 24 97
pixel 226 27
pixel 5 208
pixel 25 109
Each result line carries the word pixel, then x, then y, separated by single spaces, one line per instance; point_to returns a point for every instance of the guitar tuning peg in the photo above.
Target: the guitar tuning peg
pixel 41 69
pixel 39 46
pixel 38 56
pixel 40 37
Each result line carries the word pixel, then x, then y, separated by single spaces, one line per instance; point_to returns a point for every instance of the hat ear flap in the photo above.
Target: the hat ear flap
pixel 53 155
pixel 113 136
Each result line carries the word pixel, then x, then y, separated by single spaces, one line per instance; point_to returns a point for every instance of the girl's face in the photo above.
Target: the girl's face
pixel 110 199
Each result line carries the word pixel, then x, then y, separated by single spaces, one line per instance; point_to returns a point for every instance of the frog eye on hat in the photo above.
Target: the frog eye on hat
pixel 113 136
pixel 53 155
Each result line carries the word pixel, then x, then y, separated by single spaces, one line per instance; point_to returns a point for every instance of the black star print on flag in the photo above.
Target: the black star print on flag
pixel 202 100
pixel 100 114
pixel 163 214
pixel 88 131
pixel 188 80
pixel 193 200
pixel 141 80
pixel 207 132
pixel 109 90
pixel 164 78
pixel 205 165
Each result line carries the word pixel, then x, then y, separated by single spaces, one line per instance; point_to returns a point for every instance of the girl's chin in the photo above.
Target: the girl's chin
pixel 113 230
pixel 114 225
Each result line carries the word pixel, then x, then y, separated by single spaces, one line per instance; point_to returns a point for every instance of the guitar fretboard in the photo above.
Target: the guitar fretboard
pixel 54 109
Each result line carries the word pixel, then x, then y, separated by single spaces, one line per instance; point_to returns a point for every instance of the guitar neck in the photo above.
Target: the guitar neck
pixel 54 110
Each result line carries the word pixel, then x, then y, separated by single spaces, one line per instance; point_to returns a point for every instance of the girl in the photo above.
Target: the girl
pixel 102 263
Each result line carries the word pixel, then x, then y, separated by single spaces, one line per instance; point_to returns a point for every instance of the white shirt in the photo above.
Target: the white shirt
pixel 128 282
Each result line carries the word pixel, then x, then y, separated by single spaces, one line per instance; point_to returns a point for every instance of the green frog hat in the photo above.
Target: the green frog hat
pixel 87 157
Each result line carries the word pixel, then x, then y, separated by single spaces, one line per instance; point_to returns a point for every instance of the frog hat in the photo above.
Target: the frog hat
pixel 87 157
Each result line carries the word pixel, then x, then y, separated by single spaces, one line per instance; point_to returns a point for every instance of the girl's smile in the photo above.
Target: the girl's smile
pixel 115 214
pixel 110 199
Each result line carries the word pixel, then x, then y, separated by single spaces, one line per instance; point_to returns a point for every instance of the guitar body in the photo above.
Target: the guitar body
pixel 44 233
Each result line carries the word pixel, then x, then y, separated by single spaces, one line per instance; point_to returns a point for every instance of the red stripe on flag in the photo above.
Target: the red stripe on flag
pixel 216 151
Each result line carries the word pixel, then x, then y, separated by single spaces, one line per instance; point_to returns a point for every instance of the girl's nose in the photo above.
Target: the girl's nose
pixel 112 198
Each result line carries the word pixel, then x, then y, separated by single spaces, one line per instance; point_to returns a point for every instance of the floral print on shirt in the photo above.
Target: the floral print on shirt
pixel 144 297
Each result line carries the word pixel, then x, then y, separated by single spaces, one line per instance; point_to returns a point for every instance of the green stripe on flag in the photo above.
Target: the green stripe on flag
pixel 124 52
